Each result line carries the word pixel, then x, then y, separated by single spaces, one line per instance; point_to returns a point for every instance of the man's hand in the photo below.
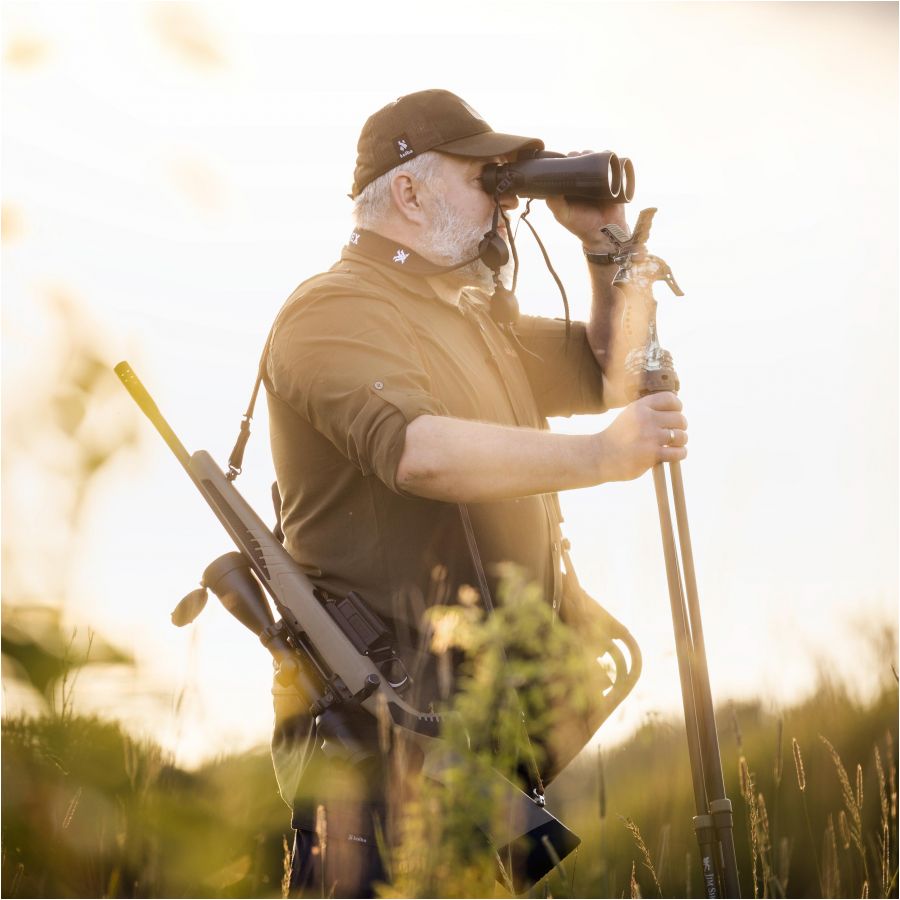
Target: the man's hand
pixel 647 431
pixel 585 218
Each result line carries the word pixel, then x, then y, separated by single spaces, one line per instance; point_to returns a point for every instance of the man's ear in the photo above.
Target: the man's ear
pixel 406 200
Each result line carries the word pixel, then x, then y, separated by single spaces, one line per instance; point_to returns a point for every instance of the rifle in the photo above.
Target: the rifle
pixel 335 654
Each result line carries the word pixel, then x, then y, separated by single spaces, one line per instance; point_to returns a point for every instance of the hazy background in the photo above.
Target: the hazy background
pixel 170 171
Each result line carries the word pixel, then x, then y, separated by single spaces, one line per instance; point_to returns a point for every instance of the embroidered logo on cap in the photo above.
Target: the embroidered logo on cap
pixel 404 151
pixel 354 237
pixel 401 257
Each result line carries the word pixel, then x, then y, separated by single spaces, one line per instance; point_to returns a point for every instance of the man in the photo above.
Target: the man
pixel 401 411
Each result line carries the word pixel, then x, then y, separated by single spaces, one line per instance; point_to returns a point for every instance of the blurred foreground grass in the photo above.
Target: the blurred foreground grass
pixel 800 843
pixel 89 812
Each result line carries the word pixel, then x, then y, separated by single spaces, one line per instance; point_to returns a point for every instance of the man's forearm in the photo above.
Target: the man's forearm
pixel 610 341
pixel 606 303
pixel 611 334
pixel 471 462
pixel 461 461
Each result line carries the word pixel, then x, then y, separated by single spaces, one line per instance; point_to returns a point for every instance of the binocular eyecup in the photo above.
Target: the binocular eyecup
pixel 592 176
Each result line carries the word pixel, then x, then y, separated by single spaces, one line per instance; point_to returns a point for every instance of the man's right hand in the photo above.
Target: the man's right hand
pixel 646 432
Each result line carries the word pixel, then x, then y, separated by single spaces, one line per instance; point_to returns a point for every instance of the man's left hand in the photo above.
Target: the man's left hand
pixel 586 218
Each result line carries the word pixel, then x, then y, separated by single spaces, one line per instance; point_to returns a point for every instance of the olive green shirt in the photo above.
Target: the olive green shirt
pixel 356 354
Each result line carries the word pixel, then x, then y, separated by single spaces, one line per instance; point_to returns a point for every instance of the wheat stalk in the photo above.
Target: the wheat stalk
pixel 765 842
pixel 70 812
pixel 850 803
pixel 322 835
pixel 801 783
pixel 845 829
pixel 285 868
pixel 798 765
pixel 892 794
pixel 885 839
pixel 892 784
pixel 634 886
pixel 747 792
pixel 645 853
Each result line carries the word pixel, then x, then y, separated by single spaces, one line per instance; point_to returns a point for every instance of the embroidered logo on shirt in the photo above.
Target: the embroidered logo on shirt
pixel 401 257
pixel 354 237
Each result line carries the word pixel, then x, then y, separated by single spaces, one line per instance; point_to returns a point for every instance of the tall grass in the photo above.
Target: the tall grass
pixel 820 833
pixel 90 812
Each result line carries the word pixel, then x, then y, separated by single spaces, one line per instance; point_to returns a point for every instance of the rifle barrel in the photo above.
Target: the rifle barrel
pixel 141 396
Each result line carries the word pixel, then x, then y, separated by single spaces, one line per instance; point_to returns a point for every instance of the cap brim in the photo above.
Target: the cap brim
pixel 490 143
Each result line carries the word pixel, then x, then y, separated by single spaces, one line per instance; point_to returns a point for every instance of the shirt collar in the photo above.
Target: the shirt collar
pixel 427 287
pixel 388 274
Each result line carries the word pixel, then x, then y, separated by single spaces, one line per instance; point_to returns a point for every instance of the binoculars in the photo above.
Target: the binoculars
pixel 543 173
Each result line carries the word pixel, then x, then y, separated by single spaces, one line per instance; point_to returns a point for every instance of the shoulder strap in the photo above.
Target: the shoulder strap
pixel 236 460
pixel 476 557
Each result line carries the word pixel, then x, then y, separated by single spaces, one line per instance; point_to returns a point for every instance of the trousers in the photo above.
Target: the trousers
pixel 340 856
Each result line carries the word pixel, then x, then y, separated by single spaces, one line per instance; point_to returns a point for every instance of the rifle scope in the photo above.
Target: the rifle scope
pixel 593 176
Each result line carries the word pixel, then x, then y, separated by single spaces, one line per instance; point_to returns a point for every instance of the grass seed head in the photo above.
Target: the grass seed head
pixel 285 868
pixel 845 830
pixel 745 780
pixel 882 788
pixel 850 799
pixel 798 765
pixel 322 828
pixel 763 820
pixel 892 783
pixel 635 887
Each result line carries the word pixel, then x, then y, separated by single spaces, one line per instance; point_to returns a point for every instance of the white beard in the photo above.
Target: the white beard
pixel 451 239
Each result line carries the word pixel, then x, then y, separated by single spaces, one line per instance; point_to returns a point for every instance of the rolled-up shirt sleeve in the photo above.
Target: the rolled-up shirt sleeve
pixel 564 375
pixel 351 366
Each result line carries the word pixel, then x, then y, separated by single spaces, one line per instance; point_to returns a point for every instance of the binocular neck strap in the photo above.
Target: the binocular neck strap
pixel 556 278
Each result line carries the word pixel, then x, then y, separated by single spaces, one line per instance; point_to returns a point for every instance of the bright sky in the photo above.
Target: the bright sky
pixel 179 168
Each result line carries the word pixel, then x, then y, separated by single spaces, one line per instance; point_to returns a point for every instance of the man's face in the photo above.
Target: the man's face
pixel 460 213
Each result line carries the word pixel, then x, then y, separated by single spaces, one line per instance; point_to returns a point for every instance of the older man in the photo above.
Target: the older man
pixel 397 402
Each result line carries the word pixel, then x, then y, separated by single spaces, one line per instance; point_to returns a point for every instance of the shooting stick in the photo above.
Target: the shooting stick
pixel 648 370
